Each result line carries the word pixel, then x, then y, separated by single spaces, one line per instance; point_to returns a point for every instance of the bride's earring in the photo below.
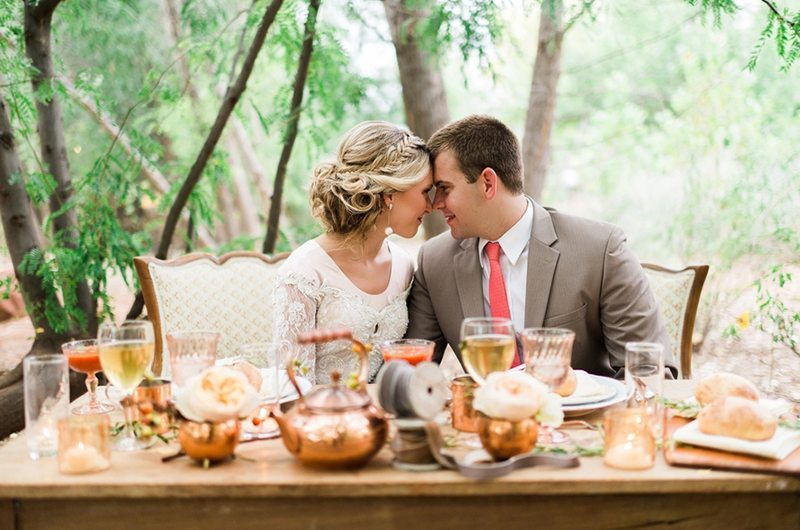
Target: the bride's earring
pixel 388 230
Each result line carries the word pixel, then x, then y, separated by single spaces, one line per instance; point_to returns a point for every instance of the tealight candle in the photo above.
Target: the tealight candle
pixel 84 444
pixel 629 439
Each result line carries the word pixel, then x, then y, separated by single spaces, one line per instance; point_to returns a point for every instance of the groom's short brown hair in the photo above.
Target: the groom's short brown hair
pixel 478 142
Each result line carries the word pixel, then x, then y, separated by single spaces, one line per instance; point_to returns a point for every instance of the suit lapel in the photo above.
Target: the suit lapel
pixel 542 261
pixel 469 279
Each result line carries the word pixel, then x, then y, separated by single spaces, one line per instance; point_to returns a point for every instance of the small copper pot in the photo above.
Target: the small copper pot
pixel 209 441
pixel 465 418
pixel 504 438
pixel 152 402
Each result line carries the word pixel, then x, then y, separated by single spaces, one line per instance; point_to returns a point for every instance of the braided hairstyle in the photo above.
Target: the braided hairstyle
pixel 373 159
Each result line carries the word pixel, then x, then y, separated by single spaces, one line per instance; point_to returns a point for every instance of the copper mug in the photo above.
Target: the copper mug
pixel 465 418
pixel 152 401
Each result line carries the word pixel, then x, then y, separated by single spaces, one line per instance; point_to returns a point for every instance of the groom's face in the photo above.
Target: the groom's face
pixel 458 200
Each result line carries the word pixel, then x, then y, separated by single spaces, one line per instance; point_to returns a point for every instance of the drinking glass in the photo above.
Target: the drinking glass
pixel 487 345
pixel 644 380
pixel 413 351
pixel 46 391
pixel 191 352
pixel 267 358
pixel 548 354
pixel 125 354
pixel 83 356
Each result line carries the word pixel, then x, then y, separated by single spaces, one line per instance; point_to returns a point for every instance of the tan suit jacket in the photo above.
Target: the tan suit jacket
pixel 581 276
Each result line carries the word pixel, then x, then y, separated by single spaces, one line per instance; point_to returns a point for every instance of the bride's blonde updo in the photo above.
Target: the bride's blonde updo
pixel 374 158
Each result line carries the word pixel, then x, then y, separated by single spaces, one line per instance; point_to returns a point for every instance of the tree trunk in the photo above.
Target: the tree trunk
pixel 542 100
pixel 292 127
pixel 424 96
pixel 38 17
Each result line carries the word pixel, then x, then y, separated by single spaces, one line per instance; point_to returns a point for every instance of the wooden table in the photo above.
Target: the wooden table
pixel 266 488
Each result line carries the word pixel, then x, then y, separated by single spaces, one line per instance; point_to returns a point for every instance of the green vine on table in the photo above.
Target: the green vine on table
pixel 144 432
pixel 577 450
pixel 684 409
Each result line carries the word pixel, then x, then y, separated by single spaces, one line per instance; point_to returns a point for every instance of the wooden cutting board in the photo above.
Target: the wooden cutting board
pixel 692 456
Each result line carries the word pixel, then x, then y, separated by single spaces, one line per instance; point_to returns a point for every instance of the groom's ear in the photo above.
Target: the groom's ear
pixel 488 181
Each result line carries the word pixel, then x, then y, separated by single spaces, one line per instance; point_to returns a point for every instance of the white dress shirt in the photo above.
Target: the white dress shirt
pixel 514 264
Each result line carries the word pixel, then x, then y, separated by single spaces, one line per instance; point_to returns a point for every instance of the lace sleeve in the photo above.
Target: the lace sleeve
pixel 295 310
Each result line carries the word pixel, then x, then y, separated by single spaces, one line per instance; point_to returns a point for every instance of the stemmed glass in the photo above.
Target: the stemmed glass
pixel 125 354
pixel 267 358
pixel 191 352
pixel 487 345
pixel 83 356
pixel 548 354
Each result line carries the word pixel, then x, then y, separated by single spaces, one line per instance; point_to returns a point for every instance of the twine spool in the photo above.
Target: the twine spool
pixel 412 451
pixel 412 391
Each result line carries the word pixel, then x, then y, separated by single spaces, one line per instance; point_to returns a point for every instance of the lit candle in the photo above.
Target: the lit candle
pixel 82 458
pixel 629 439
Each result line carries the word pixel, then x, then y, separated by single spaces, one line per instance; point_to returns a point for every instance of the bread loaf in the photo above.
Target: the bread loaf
pixel 738 417
pixel 724 384
pixel 567 388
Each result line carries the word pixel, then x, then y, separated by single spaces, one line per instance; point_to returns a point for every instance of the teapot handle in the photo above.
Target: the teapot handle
pixel 359 348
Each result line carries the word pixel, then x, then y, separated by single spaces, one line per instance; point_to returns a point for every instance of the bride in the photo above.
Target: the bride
pixel 352 276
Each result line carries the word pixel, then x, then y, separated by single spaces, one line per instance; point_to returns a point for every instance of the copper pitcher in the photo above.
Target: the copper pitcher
pixel 333 426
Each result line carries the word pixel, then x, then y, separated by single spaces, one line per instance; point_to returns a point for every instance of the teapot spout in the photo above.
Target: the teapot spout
pixel 288 433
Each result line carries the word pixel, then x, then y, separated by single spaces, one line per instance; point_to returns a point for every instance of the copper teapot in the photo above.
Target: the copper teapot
pixel 333 426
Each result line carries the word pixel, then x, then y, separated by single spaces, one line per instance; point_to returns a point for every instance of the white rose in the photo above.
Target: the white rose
pixel 550 414
pixel 511 396
pixel 217 394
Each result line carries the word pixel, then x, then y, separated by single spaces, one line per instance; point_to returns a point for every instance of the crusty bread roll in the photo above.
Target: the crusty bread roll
pixel 567 388
pixel 724 384
pixel 738 417
pixel 252 373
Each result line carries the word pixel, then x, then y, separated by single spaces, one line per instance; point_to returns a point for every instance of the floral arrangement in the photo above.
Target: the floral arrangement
pixel 217 394
pixel 515 396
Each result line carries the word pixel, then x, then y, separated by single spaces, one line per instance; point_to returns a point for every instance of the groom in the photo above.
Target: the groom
pixel 506 255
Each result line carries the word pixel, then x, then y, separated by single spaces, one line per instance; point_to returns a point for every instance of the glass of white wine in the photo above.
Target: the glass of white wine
pixel 126 353
pixel 487 345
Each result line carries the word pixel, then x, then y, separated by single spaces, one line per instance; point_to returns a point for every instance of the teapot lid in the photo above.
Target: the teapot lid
pixel 335 397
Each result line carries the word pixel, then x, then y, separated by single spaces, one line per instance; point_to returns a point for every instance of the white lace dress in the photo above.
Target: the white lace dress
pixel 312 292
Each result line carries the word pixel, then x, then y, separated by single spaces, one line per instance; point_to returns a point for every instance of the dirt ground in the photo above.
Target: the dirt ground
pixel 774 369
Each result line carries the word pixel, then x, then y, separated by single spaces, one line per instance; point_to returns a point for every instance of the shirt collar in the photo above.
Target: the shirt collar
pixel 516 238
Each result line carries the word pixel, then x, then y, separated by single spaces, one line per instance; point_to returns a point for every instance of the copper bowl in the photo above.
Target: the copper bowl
pixel 464 417
pixel 209 441
pixel 503 439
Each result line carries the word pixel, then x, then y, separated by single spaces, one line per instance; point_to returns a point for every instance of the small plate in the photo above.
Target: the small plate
pixel 620 395
pixel 288 393
pixel 605 390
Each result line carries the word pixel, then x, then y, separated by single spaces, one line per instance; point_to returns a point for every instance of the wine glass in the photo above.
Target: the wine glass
pixel 83 356
pixel 267 358
pixel 487 345
pixel 125 354
pixel 413 351
pixel 548 354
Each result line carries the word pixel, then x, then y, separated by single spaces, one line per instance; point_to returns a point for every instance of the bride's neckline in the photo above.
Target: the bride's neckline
pixel 347 278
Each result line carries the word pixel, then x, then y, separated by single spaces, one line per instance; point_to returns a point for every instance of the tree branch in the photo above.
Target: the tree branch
pixel 291 127
pixel 42 8
pixel 778 14
pixel 231 98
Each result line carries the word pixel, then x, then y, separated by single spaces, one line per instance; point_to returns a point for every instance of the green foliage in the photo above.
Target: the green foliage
pixel 774 317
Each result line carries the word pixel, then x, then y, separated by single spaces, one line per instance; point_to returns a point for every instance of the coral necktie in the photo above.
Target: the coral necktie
pixel 498 301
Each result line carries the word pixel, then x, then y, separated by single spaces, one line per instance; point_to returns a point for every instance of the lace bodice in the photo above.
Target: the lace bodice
pixel 312 292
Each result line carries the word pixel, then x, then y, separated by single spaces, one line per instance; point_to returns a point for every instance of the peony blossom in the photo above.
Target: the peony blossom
pixel 217 394
pixel 515 396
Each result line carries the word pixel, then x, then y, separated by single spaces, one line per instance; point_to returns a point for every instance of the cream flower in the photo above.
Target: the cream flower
pixel 217 394
pixel 515 396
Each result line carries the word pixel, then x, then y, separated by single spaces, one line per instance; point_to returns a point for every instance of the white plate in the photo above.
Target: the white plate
pixel 288 393
pixel 620 395
pixel 590 389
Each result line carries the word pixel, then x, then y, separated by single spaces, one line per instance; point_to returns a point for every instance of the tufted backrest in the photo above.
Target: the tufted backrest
pixel 230 294
pixel 677 294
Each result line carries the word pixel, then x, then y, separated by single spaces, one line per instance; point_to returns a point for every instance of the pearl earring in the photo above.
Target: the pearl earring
pixel 388 230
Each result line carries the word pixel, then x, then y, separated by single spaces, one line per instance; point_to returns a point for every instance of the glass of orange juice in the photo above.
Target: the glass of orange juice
pixel 413 351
